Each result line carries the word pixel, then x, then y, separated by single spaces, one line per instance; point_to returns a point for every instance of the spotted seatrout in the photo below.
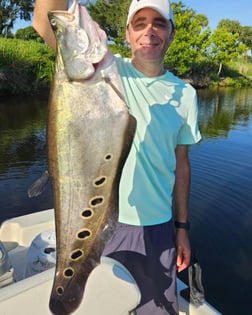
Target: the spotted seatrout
pixel 90 133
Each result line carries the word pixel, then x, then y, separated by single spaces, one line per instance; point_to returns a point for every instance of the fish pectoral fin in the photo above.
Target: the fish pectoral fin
pixel 39 185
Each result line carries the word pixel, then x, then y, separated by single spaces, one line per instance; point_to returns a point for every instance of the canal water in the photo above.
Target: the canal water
pixel 221 188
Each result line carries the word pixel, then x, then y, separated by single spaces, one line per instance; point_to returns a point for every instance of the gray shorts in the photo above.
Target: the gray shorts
pixel 149 253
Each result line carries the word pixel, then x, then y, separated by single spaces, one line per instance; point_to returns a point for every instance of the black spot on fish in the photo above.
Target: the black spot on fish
pixel 68 273
pixel 83 234
pixel 99 181
pixel 60 290
pixel 108 157
pixel 87 213
pixel 96 201
pixel 76 254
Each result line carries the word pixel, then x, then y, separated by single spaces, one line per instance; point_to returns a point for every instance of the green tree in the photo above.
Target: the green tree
pixel 11 10
pixel 191 36
pixel 28 33
pixel 111 15
pixel 225 45
pixel 232 26
pixel 246 36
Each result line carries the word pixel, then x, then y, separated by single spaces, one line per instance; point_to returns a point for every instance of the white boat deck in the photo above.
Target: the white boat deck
pixel 110 289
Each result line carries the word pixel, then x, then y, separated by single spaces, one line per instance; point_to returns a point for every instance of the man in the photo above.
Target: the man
pixel 155 181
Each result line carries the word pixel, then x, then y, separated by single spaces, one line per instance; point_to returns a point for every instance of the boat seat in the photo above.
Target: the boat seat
pixel 110 288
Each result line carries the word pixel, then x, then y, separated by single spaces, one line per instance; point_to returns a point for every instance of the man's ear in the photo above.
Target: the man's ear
pixel 171 37
pixel 127 35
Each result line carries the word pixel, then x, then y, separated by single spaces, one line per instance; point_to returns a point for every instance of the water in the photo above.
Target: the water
pixel 23 155
pixel 221 199
pixel 221 189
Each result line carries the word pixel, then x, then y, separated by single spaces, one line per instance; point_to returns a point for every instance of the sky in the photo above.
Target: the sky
pixel 217 10
pixel 214 10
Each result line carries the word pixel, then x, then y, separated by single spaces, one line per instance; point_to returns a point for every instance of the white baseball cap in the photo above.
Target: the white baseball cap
pixel 161 6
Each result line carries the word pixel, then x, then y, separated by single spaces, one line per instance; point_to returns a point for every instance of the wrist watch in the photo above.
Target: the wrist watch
pixel 182 225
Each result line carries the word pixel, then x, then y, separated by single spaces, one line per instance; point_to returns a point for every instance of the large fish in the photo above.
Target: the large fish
pixel 90 133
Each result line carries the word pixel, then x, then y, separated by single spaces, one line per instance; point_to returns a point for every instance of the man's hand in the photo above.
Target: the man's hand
pixel 183 249
pixel 41 22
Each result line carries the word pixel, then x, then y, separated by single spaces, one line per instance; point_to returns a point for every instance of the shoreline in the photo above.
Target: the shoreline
pixel 42 88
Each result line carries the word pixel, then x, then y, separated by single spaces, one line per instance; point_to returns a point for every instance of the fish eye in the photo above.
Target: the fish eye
pixel 53 22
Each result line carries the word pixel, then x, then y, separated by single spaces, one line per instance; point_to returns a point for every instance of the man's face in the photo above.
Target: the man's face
pixel 149 35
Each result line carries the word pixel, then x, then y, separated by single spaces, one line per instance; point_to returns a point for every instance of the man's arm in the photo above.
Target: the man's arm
pixel 41 21
pixel 181 199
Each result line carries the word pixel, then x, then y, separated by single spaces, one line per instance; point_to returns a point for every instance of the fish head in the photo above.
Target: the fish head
pixel 81 43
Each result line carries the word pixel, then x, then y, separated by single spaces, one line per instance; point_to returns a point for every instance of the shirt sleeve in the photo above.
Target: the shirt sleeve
pixel 189 132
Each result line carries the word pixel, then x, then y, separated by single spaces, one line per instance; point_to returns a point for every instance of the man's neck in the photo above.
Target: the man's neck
pixel 149 68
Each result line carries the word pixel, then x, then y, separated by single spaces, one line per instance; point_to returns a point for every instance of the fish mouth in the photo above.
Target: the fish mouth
pixel 90 43
pixel 68 16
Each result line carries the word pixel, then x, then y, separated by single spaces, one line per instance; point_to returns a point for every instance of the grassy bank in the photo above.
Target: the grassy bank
pixel 25 66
